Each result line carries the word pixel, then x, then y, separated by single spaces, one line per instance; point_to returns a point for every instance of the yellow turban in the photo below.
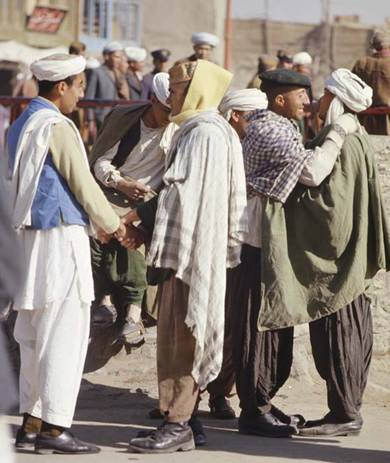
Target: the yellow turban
pixel 207 88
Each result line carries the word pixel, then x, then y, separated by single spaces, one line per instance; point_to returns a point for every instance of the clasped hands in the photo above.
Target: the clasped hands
pixel 129 236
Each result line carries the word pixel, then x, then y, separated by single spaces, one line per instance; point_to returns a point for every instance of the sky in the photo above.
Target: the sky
pixel 309 11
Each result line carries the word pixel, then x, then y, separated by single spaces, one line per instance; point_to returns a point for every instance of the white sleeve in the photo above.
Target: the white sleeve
pixel 105 172
pixel 321 164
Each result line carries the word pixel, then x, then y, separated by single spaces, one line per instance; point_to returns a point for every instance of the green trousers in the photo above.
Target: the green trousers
pixel 120 273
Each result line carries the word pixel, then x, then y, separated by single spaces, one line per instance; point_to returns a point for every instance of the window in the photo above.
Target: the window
pixel 112 19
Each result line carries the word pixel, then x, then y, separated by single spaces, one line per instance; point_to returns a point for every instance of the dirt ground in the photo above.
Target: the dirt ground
pixel 114 402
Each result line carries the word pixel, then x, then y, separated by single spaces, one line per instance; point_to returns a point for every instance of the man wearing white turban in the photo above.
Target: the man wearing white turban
pixel 320 247
pixel 375 71
pixel 136 59
pixel 54 199
pixel 128 160
pixel 203 44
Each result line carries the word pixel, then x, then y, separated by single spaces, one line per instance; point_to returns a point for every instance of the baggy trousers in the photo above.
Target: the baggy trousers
pixel 224 382
pixel 178 391
pixel 120 273
pixel 341 345
pixel 53 345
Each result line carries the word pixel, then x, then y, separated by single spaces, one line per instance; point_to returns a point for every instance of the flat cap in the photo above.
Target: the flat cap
pixel 161 55
pixel 283 77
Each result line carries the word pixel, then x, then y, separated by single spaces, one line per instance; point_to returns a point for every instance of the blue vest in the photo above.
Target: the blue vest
pixel 54 204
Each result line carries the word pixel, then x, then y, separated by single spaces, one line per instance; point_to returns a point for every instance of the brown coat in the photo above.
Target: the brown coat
pixel 376 73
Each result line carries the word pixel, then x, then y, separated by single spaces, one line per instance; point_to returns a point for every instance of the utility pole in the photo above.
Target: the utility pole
pixel 326 35
pixel 228 35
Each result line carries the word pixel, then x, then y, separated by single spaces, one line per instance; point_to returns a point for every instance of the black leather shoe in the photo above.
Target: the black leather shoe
pixel 169 438
pixel 220 408
pixel 295 420
pixel 25 440
pixel 331 427
pixel 65 443
pixel 198 431
pixel 266 425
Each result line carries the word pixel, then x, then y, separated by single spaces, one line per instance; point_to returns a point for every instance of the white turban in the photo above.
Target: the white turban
pixel 200 38
pixel 248 99
pixel 303 58
pixel 135 54
pixel 160 87
pixel 112 47
pixel 92 63
pixel 349 90
pixel 58 67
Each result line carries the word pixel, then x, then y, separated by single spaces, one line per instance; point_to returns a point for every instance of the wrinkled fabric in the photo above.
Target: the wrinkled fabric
pixel 324 245
pixel 248 99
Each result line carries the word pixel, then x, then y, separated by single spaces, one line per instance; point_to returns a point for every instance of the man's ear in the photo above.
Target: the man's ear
pixel 279 101
pixel 61 87
pixel 235 116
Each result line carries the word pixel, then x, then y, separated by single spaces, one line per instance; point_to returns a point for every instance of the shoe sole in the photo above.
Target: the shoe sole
pixel 186 447
pixel 333 434
pixel 60 452
pixel 24 447
pixel 264 434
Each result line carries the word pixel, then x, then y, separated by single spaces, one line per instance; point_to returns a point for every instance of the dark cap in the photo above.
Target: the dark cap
pixel 283 78
pixel 161 55
pixel 284 57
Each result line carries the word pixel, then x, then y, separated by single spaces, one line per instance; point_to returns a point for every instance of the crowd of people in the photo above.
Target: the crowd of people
pixel 212 196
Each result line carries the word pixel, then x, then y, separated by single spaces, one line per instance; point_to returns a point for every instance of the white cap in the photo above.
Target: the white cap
pixel 112 47
pixel 201 38
pixel 58 67
pixel 92 63
pixel 302 58
pixel 135 54
pixel 160 87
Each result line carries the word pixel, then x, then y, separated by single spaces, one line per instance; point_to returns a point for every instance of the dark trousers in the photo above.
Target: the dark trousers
pixel 120 273
pixel 341 345
pixel 223 384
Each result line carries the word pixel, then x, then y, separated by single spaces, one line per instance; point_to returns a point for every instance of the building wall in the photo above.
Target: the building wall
pixel 171 24
pixel 252 38
pixel 13 18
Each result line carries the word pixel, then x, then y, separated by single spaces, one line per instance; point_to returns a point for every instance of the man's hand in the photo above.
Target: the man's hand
pixel 131 217
pixel 132 189
pixel 121 232
pixel 103 237
pixel 133 239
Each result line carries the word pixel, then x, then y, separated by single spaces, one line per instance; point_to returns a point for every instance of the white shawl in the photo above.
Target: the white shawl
pixel 31 152
pixel 200 225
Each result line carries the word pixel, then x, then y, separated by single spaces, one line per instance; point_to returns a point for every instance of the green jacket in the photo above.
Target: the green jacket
pixel 324 245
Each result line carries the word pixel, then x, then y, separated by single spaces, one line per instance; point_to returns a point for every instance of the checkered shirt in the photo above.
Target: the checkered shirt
pixel 274 155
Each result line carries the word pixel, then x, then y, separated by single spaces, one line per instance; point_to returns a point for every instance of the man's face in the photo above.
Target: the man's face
pixel 292 103
pixel 71 94
pixel 239 123
pixel 177 95
pixel 324 104
pixel 160 66
pixel 136 66
pixel 160 112
pixel 203 51
pixel 114 60
pixel 124 66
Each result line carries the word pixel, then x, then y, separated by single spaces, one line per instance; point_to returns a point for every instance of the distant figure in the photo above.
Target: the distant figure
pixel 77 48
pixel 136 59
pixel 285 60
pixel 160 60
pixel 103 84
pixel 375 71
pixel 302 63
pixel 265 63
pixel 204 44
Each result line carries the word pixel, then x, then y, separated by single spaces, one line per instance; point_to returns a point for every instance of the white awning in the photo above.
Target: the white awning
pixel 20 53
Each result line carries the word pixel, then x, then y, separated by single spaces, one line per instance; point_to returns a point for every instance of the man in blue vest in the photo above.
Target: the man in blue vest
pixel 54 199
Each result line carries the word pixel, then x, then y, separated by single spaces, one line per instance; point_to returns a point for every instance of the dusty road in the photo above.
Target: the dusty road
pixel 114 402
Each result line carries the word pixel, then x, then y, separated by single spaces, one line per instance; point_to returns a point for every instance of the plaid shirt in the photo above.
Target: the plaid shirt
pixel 274 155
